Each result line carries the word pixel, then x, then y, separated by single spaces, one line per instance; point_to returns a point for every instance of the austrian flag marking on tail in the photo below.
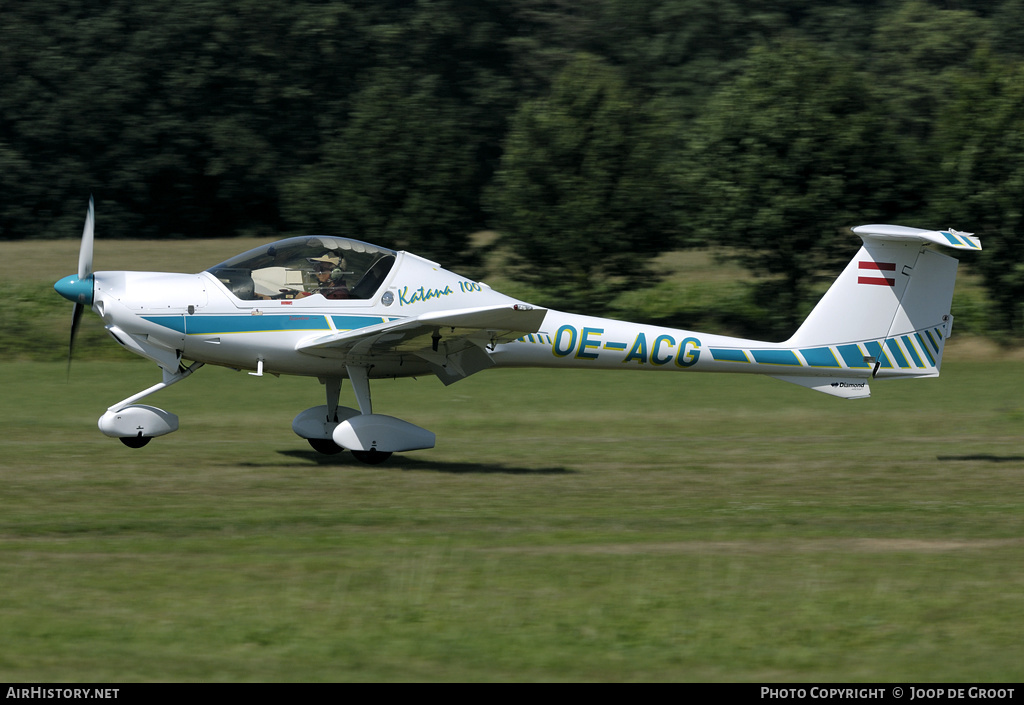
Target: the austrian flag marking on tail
pixel 880 268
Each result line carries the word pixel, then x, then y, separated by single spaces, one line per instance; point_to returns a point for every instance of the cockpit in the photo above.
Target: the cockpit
pixel 334 267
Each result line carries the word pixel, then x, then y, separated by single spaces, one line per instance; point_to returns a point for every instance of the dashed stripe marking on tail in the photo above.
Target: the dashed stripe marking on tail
pixel 919 349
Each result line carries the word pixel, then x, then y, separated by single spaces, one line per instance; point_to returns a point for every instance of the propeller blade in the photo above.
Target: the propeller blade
pixel 80 290
pixel 85 253
pixel 76 317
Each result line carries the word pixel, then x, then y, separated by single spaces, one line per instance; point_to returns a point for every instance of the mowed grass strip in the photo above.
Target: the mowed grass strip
pixel 568 526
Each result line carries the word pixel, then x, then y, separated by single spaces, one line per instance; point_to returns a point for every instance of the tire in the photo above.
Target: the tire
pixel 370 457
pixel 325 446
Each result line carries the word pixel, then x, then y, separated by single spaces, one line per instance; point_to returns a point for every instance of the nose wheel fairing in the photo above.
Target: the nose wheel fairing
pixel 137 422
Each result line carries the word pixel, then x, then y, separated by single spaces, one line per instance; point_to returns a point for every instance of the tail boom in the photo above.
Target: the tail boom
pixel 886 316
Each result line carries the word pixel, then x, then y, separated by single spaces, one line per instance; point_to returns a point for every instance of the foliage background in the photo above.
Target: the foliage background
pixel 593 137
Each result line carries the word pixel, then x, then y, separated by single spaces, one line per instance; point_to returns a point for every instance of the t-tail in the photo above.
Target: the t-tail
pixel 888 313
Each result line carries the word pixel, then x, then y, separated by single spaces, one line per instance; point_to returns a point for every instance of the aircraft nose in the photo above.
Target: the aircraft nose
pixel 79 291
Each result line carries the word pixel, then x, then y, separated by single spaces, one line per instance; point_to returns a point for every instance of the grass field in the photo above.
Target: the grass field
pixel 568 526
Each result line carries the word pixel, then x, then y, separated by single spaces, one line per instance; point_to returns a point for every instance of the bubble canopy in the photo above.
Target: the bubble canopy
pixel 334 267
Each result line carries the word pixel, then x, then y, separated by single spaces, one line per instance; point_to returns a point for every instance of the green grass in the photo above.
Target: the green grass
pixel 570 525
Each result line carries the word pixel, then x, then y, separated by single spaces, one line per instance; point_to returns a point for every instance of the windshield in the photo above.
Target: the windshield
pixel 337 268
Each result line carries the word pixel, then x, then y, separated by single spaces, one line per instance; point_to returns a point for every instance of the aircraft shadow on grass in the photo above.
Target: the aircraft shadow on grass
pixel 984 457
pixel 341 460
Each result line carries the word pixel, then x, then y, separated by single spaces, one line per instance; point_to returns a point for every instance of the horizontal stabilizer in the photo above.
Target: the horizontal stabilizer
pixel 900 233
pixel 844 387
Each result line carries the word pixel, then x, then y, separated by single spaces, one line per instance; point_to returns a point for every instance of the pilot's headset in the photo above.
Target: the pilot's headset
pixel 338 273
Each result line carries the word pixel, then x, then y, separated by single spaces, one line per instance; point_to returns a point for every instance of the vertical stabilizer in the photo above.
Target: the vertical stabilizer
pixel 892 301
pixel 862 303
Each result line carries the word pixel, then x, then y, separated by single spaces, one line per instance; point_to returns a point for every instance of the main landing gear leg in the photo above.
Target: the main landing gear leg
pixel 332 386
pixel 371 437
pixel 360 377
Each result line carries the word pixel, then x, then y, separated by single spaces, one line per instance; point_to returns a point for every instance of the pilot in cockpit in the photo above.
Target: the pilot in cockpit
pixel 330 275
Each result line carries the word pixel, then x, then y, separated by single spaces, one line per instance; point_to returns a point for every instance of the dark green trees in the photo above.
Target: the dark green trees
pixel 982 138
pixel 583 196
pixel 402 172
pixel 783 160
pixel 591 134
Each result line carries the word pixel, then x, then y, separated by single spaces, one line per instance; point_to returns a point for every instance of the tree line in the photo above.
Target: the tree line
pixel 591 135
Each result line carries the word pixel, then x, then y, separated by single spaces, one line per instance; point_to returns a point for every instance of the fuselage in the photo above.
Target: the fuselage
pixel 202 317
pixel 336 308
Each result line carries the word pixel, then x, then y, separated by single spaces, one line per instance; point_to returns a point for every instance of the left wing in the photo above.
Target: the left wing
pixel 453 342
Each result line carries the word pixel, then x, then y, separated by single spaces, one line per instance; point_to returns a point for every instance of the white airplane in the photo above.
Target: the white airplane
pixel 335 308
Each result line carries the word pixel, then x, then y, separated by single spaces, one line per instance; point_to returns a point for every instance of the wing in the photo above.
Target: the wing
pixel 454 343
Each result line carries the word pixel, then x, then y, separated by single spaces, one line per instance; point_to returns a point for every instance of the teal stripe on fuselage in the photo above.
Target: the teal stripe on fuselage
pixel 775 357
pixel 722 355
pixel 875 350
pixel 175 323
pixel 209 325
pixel 353 322
pixel 897 354
pixel 909 344
pixel 853 356
pixel 924 349
pixel 820 357
pixel 241 323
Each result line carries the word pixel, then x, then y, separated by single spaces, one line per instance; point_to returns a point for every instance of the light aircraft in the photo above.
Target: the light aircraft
pixel 335 308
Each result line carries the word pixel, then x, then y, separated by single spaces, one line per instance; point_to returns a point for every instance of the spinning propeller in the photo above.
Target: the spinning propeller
pixel 79 289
